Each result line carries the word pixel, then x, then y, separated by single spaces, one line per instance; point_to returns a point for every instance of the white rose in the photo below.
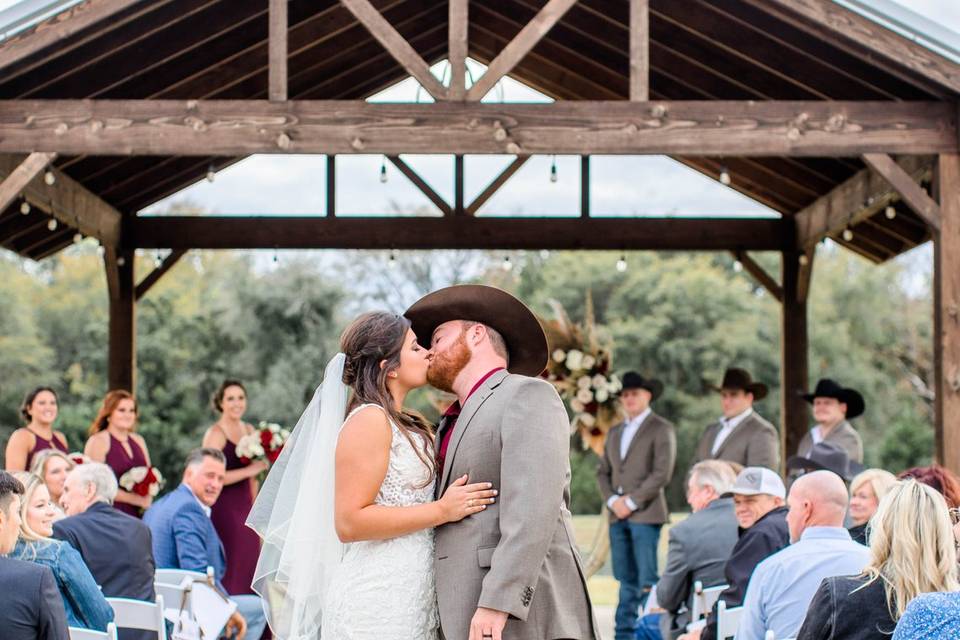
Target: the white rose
pixel 583 382
pixel 602 395
pixel 599 382
pixel 154 489
pixel 285 434
pixel 138 474
pixel 559 355
pixel 585 396
pixel 587 420
pixel 274 428
pixel 574 360
pixel 588 362
pixel 615 384
pixel 576 405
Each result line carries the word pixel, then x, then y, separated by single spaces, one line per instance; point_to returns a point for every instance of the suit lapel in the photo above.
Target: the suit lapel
pixel 616 435
pixel 469 410
pixel 636 435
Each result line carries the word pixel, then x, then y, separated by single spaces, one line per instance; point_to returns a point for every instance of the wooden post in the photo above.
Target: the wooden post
pixel 794 357
pixel 947 314
pixel 122 359
pixel 458 49
pixel 639 49
pixel 584 186
pixel 458 185
pixel 278 50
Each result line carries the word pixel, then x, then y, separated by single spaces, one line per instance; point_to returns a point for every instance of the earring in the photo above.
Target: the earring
pixel 392 374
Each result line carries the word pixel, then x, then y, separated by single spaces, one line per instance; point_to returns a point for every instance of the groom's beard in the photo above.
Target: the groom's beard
pixel 446 366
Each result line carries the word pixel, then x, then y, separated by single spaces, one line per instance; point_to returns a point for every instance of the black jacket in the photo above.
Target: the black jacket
pixel 840 610
pixel 768 535
pixel 32 607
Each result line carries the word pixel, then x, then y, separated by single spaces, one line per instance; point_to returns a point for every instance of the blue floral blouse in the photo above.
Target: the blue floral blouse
pixel 930 616
pixel 85 605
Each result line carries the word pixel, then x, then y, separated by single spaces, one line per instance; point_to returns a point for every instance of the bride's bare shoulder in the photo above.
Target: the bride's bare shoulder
pixel 368 426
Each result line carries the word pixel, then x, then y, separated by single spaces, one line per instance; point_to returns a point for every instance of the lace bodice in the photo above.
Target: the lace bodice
pixel 402 567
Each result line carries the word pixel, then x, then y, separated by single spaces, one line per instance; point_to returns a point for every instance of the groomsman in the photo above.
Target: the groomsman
pixel 833 407
pixel 741 435
pixel 637 464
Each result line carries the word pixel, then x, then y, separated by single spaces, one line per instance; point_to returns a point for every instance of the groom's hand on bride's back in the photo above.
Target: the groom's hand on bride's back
pixel 461 499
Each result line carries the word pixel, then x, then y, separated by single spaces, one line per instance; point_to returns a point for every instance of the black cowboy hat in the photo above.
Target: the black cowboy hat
pixel 633 380
pixel 827 388
pixel 829 457
pixel 735 378
pixel 491 306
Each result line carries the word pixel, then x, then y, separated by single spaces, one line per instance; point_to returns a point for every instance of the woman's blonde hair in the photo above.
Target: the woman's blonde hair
pixel 39 464
pixel 31 482
pixel 912 549
pixel 880 482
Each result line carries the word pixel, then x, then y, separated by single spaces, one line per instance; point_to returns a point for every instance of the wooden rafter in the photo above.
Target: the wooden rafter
pixel 154 276
pixel 459 12
pixel 421 184
pixel 17 180
pixel 495 185
pixel 396 45
pixel 759 274
pixel 278 50
pixel 461 232
pixel 704 128
pixel 911 192
pixel 639 49
pixel 519 47
pixel 860 197
pixel 70 203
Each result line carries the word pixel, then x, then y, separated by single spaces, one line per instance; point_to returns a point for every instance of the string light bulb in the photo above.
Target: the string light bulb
pixel 383 170
pixel 52 224
pixel 24 207
pixel 77 238
pixel 737 266
pixel 890 212
pixel 544 254
pixel 49 178
pixel 392 261
pixel 847 234
pixel 622 263
pixel 211 173
pixel 553 169
pixel 507 265
pixel 121 261
pixel 101 250
pixel 804 260
pixel 725 177
pixel 276 256
pixel 157 260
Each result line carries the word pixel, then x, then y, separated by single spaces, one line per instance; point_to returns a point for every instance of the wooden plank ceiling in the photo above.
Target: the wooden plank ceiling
pixel 699 49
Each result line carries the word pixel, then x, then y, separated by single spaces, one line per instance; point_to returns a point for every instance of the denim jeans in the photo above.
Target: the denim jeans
pixel 649 627
pixel 633 549
pixel 251 608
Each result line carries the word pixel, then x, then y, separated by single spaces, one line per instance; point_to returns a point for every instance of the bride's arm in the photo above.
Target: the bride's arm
pixel 363 454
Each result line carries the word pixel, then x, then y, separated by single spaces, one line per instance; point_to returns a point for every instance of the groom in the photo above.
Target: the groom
pixel 511 571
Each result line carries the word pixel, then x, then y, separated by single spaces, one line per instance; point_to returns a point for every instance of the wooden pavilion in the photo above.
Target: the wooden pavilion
pixel 847 128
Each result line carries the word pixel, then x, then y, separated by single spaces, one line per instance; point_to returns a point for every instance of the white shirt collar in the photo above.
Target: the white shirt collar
pixel 636 422
pixel 737 419
pixel 207 510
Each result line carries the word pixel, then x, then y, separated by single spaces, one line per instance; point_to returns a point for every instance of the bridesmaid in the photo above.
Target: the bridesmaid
pixel 241 544
pixel 39 411
pixel 113 441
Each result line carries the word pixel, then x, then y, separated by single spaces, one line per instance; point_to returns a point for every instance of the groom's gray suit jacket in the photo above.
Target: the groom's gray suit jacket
pixel 519 556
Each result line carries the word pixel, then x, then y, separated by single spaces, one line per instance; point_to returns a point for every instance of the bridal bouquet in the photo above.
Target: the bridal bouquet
pixel 265 443
pixel 579 368
pixel 143 481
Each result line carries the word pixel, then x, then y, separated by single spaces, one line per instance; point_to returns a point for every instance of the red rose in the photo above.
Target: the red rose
pixel 265 437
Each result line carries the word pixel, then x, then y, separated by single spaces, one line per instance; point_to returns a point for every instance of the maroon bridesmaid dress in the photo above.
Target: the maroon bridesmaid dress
pixel 41 444
pixel 240 543
pixel 120 461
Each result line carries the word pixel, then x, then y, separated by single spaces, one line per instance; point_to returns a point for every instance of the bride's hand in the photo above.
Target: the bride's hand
pixel 461 499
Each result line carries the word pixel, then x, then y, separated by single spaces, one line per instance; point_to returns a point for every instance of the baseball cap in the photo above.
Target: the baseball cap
pixel 754 481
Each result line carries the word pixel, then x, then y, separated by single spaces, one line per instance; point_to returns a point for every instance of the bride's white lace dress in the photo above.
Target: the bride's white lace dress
pixel 384 589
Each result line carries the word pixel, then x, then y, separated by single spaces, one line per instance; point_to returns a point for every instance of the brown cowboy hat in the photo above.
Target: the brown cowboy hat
pixel 735 378
pixel 491 306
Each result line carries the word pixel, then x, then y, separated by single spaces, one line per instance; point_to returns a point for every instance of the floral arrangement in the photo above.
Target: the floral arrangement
pixel 579 368
pixel 143 481
pixel 265 443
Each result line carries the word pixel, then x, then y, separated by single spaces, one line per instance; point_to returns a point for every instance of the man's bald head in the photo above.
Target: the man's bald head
pixel 817 499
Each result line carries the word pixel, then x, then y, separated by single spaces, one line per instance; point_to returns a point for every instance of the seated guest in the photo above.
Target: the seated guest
pixel 699 546
pixel 911 552
pixel 32 608
pixel 833 408
pixel 184 536
pixel 52 466
pixel 931 616
pixel 115 547
pixel 783 585
pixel 866 491
pixel 944 481
pixel 82 600
pixel 39 411
pixel 741 435
pixel 758 495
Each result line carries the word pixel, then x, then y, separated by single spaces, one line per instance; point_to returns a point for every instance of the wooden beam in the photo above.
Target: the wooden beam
pixel 794 358
pixel 17 180
pixel 695 128
pixel 495 185
pixel 860 197
pixel 396 45
pixel 805 276
pixel 639 50
pixel 865 38
pixel 759 274
pixel 278 50
pixel 947 310
pixel 331 185
pixel 584 186
pixel 301 232
pixel 70 203
pixel 154 276
pixel 519 47
pixel 911 192
pixel 459 20
pixel 421 184
pixel 122 352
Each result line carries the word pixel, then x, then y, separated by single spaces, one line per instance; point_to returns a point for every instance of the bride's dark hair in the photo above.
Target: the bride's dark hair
pixel 373 338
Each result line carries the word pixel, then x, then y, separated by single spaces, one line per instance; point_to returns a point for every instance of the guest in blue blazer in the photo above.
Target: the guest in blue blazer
pixel 184 536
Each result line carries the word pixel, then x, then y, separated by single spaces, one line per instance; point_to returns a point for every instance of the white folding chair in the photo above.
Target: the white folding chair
pixel 139 614
pixel 176 576
pixel 728 620
pixel 704 599
pixel 175 597
pixel 77 633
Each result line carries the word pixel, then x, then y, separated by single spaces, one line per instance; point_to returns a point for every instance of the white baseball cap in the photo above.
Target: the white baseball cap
pixel 754 481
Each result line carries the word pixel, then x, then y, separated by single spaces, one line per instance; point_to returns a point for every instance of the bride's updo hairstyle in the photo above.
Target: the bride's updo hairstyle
pixel 373 338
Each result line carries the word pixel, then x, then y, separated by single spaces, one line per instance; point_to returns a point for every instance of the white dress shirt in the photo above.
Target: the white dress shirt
pixel 727 427
pixel 207 510
pixel 630 428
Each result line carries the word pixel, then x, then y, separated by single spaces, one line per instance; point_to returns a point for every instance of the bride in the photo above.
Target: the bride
pixel 347 512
